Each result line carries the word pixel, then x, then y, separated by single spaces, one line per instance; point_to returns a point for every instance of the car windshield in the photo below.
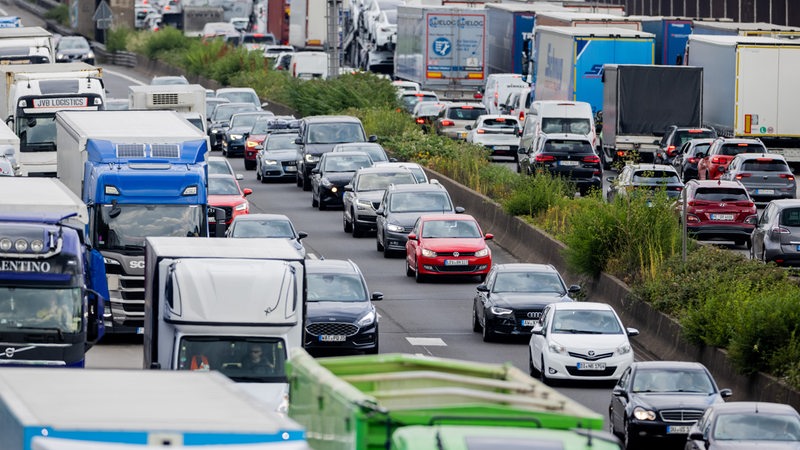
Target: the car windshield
pixel 244 120
pixel 790 217
pixel 735 149
pixel 567 146
pixel 262 228
pixel 222 186
pixel 450 229
pixel 339 287
pixel 336 163
pixel 419 202
pixel 125 227
pixel 241 359
pixel 283 141
pixel 335 133
pixel 567 321
pixel 26 309
pixel 224 112
pixel 566 125
pixel 73 44
pixel 765 165
pixel 380 181
pixel 761 426
pixel 720 194
pixel 672 380
pixel 240 97
pixel 465 113
pixel 219 167
pixel 500 124
pixel 655 176
pixel 529 282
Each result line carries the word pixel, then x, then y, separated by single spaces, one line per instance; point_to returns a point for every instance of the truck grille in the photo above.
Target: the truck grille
pixel 331 328
pixel 169 99
pixel 681 415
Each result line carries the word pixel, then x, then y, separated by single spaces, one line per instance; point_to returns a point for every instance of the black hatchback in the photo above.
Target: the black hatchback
pixel 570 156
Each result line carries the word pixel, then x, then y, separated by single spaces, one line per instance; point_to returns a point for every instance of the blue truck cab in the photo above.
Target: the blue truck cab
pixel 142 174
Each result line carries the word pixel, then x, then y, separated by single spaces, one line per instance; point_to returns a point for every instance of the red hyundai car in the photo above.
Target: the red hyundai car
pixel 721 153
pixel 719 209
pixel 447 244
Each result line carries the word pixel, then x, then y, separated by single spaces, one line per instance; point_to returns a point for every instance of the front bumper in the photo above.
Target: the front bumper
pixel 233 148
pixel 518 323
pixel 328 197
pixel 396 241
pixel 439 266
pixel 565 367
pixel 734 232
pixel 659 431
pixel 340 335
pixel 283 169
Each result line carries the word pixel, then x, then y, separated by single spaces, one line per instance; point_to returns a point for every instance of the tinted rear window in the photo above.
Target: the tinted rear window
pixel 681 137
pixel 500 123
pixel 465 113
pixel 565 125
pixel 567 146
pixel 659 176
pixel 790 217
pixel 718 194
pixel 765 165
pixel 701 148
pixel 735 149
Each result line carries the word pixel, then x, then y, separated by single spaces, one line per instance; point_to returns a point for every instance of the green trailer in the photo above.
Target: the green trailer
pixel 357 402
pixel 456 437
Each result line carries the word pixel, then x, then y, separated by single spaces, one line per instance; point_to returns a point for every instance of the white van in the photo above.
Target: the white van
pixel 308 65
pixel 497 88
pixel 557 116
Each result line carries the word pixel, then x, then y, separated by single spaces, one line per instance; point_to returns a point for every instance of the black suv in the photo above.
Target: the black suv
pixel 318 135
pixel 400 208
pixel 570 156
pixel 675 137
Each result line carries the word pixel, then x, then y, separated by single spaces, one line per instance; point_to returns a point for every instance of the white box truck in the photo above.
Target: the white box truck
pixel 308 24
pixel 750 88
pixel 188 100
pixel 33 93
pixel 210 303
pixel 26 45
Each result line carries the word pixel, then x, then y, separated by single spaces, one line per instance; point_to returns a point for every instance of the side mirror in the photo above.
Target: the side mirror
pixel 265 104
pixel 699 155
pixel 315 170
pixel 468 127
pixel 348 188
pixel 611 179
pixel 298 141
pixel 459 210
pixel 412 236
pixel 245 135
pixel 696 436
pixel 155 365
pixel 373 138
pixel 725 393
pixel 619 392
pixel 377 296
pixel 239 176
pixel 379 211
pixel 632 332
pixel 247 191
pixel 482 288
pixel 301 235
pixel 574 289
pixel 537 329
pixel 522 151
pixel 392 159
pixel 488 236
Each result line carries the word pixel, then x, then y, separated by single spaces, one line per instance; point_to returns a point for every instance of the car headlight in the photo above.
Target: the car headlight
pixel 60 56
pixel 312 158
pixel 110 261
pixel 395 228
pixel 643 414
pixel 90 55
pixel 363 204
pixel 555 347
pixel 236 137
pixel 367 319
pixel 497 311
pixel 482 252
pixel 624 348
pixel 271 162
pixel 241 206
pixel 428 253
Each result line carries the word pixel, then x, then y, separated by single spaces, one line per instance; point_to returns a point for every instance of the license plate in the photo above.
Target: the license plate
pixel 568 163
pixel 291 168
pixel 678 429
pixel 332 338
pixel 140 330
pixel 765 191
pixel 528 323
pixel 66 102
pixel 722 216
pixel 502 147
pixel 462 134
pixel 798 248
pixel 592 366
pixel 456 262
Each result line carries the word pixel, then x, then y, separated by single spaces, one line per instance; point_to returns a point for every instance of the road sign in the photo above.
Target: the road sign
pixel 103 24
pixel 103 12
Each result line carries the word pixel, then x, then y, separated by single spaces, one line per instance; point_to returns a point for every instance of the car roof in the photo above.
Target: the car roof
pixel 381 168
pixel 668 365
pixel 235 89
pixel 505 116
pixel 570 136
pixel 437 216
pixel 524 267
pixel 474 105
pixel 727 140
pixel 331 266
pixel 786 202
pixel 663 167
pixel 254 113
pixel 761 407
pixel 418 187
pixel 593 306
pixel 218 158
pixel 397 164
pixel 749 156
pixel 701 141
pixel 357 144
pixel 717 183
pixel 343 154
pixel 237 104
pixel 262 216
pixel 331 118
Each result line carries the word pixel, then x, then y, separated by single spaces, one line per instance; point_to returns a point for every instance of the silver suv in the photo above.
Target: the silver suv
pixel 363 195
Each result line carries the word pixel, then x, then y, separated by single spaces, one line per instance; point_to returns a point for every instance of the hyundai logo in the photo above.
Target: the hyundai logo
pixel 591 352
pixel 456 254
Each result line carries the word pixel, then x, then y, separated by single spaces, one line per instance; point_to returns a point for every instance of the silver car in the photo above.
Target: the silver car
pixel 498 133
pixel 765 175
pixel 364 193
pixel 455 117
pixel 776 237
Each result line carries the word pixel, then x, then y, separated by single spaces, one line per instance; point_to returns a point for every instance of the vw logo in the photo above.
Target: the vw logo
pixel 9 352
pixel 456 254
pixel 722 205
pixel 591 352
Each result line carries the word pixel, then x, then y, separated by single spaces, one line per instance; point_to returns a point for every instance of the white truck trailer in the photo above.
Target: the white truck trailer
pixel 209 304
pixel 308 24
pixel 26 45
pixel 750 88
pixel 104 409
pixel 33 93
pixel 188 100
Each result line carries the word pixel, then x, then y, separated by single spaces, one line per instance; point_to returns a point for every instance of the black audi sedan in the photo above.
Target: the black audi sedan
pixel 340 315
pixel 513 297
pixel 659 401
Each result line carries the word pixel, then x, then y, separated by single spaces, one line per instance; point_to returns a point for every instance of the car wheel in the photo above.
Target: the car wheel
pixel 482 277
pixel 630 441
pixel 357 231
pixel 346 225
pixel 306 184
pixel 258 173
pixel 298 180
pixel 386 252
pixel 409 272
pixel 488 334
pixel 263 178
pixel 249 165
pixel 531 368
pixel 543 373
pixel 476 324
pixel 752 250
pixel 314 202
pixel 379 245
pixel 420 278
pixel 321 204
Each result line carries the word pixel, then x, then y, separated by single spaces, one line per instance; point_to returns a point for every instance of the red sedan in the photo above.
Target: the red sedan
pixel 447 244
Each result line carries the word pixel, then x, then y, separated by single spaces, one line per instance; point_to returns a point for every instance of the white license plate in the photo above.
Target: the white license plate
pixel 291 168
pixel 140 330
pixel 456 262
pixel 765 191
pixel 722 216
pixel 568 163
pixel 592 366
pixel 332 338
pixel 66 102
pixel 528 323
pixel 462 134
pixel 678 429
pixel 502 147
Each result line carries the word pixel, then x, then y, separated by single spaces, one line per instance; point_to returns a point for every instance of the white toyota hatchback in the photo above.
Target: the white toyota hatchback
pixel 580 341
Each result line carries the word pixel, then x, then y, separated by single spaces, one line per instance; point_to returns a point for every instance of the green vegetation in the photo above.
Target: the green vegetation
pixel 60 14
pixel 721 299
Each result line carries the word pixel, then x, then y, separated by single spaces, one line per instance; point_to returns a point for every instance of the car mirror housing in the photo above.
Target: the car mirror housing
pixel 298 141
pixel 482 288
pixel 377 296
pixel 348 188
pixel 574 289
pixel 488 236
pixel 301 235
pixel 373 138
pixel 538 330
pixel 247 191
pixel 632 332
pixel 619 392
pixel 696 436
pixel 412 237
pixel 459 209
pixel 725 393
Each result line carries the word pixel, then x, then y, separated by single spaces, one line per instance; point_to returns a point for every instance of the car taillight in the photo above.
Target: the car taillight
pixel 420 120
pixel 691 218
pixel 594 159
pixel 671 150
pixel 621 153
pixel 676 188
pixel 480 131
pixel 717 160
pixel 692 160
pixel 544 158
pixel 739 176
pixel 781 230
pixel 788 176
pixel 521 116
pixel 447 123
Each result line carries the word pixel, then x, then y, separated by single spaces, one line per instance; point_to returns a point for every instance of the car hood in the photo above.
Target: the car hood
pixel 339 178
pixel 325 311
pixel 454 244
pixel 74 51
pixel 407 219
pixel 527 300
pixel 674 400
pixel 318 149
pixel 270 395
pixel 583 343
pixel 755 445
pixel 225 200
pixel 281 155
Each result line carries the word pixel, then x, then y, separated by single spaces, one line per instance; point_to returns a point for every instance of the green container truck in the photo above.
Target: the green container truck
pixel 358 402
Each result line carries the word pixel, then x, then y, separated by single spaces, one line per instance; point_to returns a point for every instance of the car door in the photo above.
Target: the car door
pixel 411 245
pixel 484 299
pixel 761 229
pixel 538 341
pixel 619 402
pixel 677 162
pixel 316 177
pixel 380 219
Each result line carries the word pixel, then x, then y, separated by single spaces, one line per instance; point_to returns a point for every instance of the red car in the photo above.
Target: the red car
pixel 447 244
pixel 719 209
pixel 721 153
pixel 224 192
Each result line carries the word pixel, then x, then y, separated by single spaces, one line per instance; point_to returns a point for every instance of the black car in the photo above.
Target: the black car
pixel 339 312
pixel 333 172
pixel 513 297
pixel 746 425
pixel 686 159
pixel 235 134
pixel 570 156
pixel 658 401
pixel 74 49
pixel 675 137
pixel 400 208
pixel 219 121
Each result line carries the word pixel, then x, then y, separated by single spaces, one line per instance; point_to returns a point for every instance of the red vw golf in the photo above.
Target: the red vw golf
pixel 447 244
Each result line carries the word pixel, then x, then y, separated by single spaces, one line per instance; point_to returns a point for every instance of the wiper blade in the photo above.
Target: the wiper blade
pixel 58 331
pixel 576 331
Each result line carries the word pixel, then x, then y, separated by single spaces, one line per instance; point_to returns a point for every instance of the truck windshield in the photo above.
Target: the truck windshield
pixel 242 359
pixel 26 309
pixel 37 133
pixel 125 227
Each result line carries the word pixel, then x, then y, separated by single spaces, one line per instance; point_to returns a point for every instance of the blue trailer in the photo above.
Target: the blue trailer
pixel 142 174
pixel 52 285
pixel 671 35
pixel 569 60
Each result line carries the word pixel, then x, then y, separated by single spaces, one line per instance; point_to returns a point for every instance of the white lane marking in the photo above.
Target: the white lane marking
pixel 428 342
pixel 3 12
pixel 311 256
pixel 122 75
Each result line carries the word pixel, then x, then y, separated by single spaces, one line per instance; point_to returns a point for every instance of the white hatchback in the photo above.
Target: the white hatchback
pixel 580 341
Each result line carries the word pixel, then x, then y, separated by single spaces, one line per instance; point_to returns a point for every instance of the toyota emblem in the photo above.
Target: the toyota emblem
pixel 456 254
pixel 591 352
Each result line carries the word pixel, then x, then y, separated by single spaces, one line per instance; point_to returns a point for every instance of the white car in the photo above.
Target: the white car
pixel 384 29
pixel 497 87
pixel 580 341
pixel 497 132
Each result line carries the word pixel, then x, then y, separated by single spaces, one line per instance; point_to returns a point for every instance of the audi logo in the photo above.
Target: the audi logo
pixel 534 315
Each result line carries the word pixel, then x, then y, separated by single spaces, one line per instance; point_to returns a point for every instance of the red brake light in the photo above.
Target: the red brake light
pixel 621 153
pixel 764 159
pixel 544 158
pixel 788 176
pixel 693 160
pixel 521 116
pixel 592 159
pixel 480 131
pixel 466 107
pixel 695 131
pixel 500 119
pixel 447 123
pixel 742 145
pixel 477 96
pixel 420 120
pixel 742 175
pixel 717 160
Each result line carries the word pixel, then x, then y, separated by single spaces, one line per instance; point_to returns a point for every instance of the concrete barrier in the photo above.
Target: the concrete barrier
pixel 661 335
